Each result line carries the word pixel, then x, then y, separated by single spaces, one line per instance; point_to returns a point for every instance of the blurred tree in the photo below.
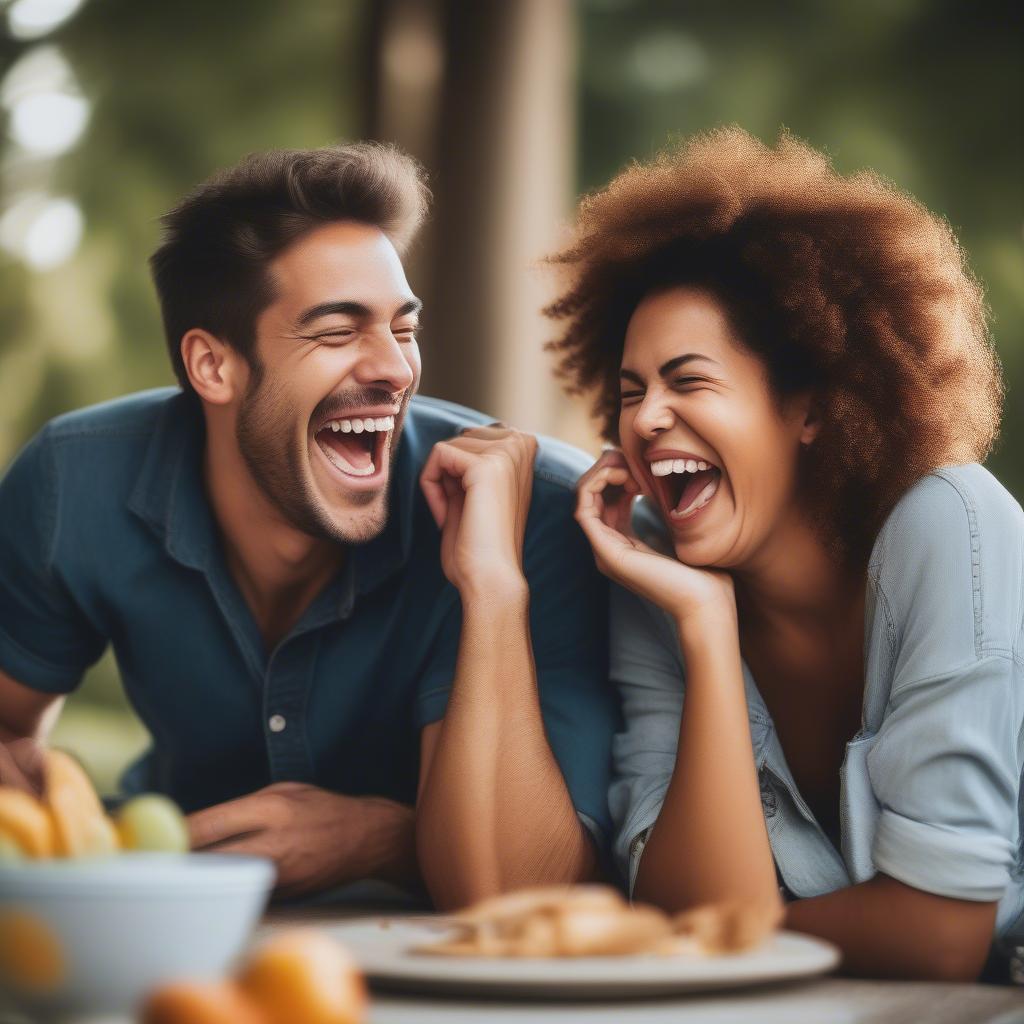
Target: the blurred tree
pixel 483 94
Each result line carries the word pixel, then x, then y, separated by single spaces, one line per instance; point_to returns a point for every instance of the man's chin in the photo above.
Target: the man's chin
pixel 363 518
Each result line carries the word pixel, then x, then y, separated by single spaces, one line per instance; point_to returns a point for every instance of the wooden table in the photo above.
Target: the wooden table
pixel 824 1001
pixel 831 1001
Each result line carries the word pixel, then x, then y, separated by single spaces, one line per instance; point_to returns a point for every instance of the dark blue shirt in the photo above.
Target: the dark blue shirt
pixel 107 536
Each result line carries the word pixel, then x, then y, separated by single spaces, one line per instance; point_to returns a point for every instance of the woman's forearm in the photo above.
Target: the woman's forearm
pixel 887 929
pixel 709 842
pixel 494 812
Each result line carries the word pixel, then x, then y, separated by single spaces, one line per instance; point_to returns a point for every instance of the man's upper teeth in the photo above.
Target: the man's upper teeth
pixel 357 426
pixel 663 467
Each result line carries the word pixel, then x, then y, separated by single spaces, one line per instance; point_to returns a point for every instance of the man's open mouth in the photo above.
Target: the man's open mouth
pixel 684 485
pixel 357 446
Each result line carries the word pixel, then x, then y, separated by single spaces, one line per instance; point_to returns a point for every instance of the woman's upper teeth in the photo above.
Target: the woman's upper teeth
pixel 663 467
pixel 357 426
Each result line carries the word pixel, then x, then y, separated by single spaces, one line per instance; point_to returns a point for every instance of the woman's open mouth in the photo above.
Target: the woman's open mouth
pixel 357 447
pixel 684 485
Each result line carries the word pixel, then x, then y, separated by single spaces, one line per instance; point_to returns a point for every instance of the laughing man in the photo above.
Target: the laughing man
pixel 362 628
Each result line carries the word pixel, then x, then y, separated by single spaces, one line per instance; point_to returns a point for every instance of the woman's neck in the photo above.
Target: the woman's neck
pixel 795 582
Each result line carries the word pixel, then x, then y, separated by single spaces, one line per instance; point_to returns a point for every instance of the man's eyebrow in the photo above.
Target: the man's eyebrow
pixel 412 306
pixel 349 308
pixel 666 368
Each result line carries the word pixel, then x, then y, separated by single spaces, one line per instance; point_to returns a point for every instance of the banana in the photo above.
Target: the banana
pixel 25 821
pixel 81 827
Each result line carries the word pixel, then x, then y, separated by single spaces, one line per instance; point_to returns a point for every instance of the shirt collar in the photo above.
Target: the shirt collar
pixel 169 495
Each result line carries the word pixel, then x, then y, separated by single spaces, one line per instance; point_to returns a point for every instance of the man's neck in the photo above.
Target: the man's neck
pixel 278 568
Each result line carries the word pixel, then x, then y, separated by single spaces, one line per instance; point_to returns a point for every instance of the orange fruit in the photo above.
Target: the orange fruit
pixel 213 1002
pixel 304 975
pixel 31 958
pixel 24 820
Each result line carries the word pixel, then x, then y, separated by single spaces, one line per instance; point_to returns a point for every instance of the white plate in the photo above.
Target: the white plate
pixel 383 947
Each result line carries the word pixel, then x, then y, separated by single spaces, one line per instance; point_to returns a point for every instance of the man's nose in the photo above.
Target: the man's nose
pixel 384 364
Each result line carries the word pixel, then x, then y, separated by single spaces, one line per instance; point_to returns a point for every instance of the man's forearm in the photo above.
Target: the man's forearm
pixel 317 839
pixel 494 812
pixel 26 713
pixel 26 718
pixel 387 847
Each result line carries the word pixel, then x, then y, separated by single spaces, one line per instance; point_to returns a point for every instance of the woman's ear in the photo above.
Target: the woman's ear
pixel 812 421
pixel 212 366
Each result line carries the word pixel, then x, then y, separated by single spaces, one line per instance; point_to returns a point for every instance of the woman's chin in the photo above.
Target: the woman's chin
pixel 692 554
pixel 707 551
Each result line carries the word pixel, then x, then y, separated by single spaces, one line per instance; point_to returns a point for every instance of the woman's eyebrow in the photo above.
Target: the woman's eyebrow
pixel 670 367
pixel 674 364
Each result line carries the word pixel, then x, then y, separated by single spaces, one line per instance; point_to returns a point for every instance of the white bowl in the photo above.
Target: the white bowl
pixel 121 925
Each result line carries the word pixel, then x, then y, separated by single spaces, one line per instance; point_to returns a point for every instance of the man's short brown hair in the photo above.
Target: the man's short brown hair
pixel 845 287
pixel 211 268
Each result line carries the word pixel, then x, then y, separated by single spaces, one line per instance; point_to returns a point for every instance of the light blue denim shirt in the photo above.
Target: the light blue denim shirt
pixel 931 784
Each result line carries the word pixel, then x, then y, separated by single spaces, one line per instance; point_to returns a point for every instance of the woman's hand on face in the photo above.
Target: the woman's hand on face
pixel 604 503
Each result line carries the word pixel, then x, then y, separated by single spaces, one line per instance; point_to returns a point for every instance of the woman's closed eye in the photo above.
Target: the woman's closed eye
pixel 628 397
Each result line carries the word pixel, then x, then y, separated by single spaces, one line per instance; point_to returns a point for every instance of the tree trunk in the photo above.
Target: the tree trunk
pixel 483 93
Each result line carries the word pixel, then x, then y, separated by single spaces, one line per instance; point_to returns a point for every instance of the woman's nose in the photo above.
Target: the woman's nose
pixel 653 417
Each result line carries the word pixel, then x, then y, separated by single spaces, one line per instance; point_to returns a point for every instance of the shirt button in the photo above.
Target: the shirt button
pixel 277 723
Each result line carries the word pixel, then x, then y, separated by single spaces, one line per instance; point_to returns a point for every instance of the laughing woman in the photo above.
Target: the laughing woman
pixel 820 647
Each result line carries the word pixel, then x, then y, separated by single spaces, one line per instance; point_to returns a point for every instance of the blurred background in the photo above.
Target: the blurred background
pixel 111 109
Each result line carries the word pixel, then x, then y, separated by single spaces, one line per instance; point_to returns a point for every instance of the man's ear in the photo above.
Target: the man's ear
pixel 213 366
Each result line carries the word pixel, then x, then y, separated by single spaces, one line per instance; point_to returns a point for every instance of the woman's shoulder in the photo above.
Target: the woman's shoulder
pixel 952 552
pixel 964 501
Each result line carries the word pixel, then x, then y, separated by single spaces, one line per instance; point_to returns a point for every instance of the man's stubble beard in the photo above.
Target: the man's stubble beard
pixel 275 459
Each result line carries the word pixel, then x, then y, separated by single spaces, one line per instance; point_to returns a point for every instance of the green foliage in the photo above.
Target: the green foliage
pixel 177 91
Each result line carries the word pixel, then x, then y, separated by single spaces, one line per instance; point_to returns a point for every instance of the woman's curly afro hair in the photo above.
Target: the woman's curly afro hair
pixel 845 287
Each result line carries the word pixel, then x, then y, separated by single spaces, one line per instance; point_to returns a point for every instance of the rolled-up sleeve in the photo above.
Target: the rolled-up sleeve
pixel 946 764
pixel 945 770
pixel 646 666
